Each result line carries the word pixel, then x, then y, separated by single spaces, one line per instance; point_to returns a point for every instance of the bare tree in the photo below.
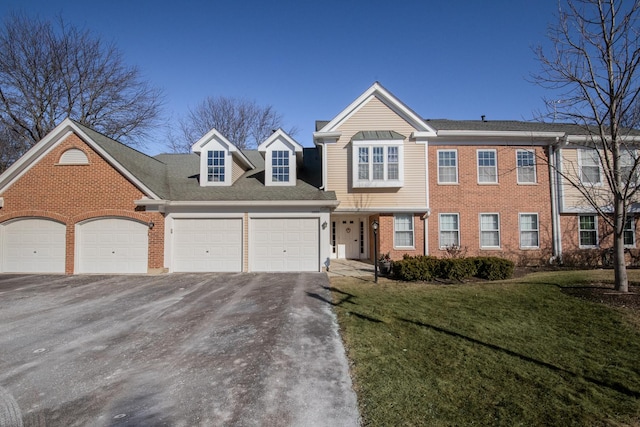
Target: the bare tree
pixel 593 66
pixel 50 72
pixel 243 122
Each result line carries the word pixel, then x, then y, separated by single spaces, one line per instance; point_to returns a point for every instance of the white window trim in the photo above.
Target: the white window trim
pixel 413 232
pixel 581 152
pixel 481 230
pixel 438 166
pixel 633 230
pixel 371 183
pixel 595 224
pixel 269 167
pixel 440 245
pixel 495 153
pixel 535 168
pixel 520 230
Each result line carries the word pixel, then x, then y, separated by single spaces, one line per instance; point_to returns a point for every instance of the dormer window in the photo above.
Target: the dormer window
pixel 280 166
pixel 220 160
pixel 215 166
pixel 282 155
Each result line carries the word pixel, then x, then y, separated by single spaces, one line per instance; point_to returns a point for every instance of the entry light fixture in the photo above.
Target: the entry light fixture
pixel 151 225
pixel 324 225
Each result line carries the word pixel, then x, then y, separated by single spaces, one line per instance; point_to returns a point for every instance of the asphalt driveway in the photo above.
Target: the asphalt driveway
pixel 177 350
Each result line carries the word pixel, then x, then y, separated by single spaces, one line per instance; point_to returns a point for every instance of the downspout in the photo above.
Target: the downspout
pixel 426 217
pixel 554 173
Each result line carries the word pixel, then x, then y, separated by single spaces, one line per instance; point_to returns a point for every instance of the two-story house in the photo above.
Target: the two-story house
pixel 79 202
pixel 452 187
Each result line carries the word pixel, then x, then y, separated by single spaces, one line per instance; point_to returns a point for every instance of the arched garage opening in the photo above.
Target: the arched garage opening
pixel 112 245
pixel 33 245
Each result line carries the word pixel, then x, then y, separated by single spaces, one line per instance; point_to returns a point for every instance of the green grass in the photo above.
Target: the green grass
pixel 508 353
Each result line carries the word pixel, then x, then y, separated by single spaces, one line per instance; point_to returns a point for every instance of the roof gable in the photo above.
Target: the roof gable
pixel 281 136
pixel 384 96
pixel 146 173
pixel 214 135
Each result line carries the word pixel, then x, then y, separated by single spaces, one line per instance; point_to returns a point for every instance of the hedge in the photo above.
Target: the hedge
pixel 426 268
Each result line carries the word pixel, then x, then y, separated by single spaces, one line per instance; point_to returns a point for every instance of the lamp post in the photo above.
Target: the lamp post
pixel 375 225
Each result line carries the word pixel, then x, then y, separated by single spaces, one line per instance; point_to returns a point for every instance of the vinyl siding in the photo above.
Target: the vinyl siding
pixel 375 115
pixel 237 170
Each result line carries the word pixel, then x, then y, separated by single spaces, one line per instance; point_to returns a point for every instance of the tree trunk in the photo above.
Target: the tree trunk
pixel 619 265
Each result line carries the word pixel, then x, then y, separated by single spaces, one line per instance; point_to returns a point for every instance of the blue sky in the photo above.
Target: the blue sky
pixel 456 59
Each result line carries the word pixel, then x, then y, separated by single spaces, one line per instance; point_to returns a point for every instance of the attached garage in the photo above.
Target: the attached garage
pixel 284 244
pixel 33 245
pixel 207 245
pixel 112 245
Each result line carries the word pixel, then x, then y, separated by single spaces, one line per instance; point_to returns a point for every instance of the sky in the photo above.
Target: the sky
pixel 453 59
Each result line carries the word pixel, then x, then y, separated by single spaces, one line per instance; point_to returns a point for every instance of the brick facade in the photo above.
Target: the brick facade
pixel 507 198
pixel 71 194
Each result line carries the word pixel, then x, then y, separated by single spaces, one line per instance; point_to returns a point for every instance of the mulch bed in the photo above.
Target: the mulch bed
pixel 605 294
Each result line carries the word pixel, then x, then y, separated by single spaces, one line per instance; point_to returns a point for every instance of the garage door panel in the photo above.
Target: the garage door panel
pixel 207 245
pixel 33 245
pixel 284 244
pixel 113 245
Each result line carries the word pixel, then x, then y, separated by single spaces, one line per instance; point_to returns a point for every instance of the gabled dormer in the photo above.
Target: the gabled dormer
pixel 220 161
pixel 282 155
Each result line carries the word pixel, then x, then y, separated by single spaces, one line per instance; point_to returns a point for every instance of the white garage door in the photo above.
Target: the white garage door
pixel 284 244
pixel 207 245
pixel 113 245
pixel 33 246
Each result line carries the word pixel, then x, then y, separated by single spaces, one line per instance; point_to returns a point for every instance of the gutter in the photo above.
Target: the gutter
pixel 161 205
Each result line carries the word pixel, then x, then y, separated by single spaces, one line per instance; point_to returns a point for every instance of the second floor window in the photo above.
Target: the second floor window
pixel 377 166
pixel 215 166
pixel 487 168
pixel 280 166
pixel 590 167
pixel 526 165
pixel 447 166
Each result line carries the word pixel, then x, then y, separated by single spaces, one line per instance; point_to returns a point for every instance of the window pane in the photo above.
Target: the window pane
pixel 526 167
pixel 487 171
pixel 392 163
pixel 629 232
pixel 529 231
pixel 449 233
pixel 215 166
pixel 363 163
pixel 403 229
pixel 489 230
pixel 280 166
pixel 378 163
pixel 590 167
pixel 447 166
pixel 588 235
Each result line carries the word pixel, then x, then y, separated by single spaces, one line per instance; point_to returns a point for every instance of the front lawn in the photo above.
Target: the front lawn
pixel 519 352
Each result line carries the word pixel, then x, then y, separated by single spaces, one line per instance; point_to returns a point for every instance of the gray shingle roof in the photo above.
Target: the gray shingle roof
pixel 175 176
pixel 183 174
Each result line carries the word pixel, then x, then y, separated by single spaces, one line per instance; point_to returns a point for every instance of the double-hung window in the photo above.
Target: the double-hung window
pixel 489 231
pixel 280 166
pixel 377 164
pixel 589 167
pixel 588 231
pixel 215 166
pixel 529 232
pixel 487 167
pixel 526 166
pixel 449 230
pixel 630 232
pixel 628 159
pixel 447 166
pixel 403 231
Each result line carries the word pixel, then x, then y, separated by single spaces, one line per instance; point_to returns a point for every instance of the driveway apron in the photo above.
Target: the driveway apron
pixel 176 350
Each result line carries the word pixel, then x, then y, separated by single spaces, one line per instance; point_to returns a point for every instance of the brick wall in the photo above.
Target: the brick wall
pixel 507 198
pixel 385 236
pixel 74 193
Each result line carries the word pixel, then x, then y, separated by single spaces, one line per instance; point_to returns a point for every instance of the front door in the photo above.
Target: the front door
pixel 349 237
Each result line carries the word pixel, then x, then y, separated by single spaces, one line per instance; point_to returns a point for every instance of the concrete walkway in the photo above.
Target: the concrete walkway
pixel 350 268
